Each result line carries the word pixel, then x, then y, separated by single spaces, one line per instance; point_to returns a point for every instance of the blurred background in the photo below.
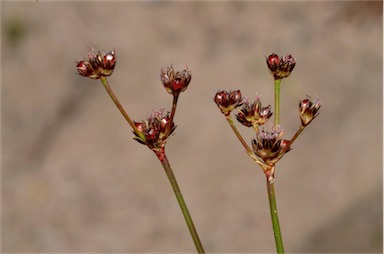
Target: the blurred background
pixel 73 180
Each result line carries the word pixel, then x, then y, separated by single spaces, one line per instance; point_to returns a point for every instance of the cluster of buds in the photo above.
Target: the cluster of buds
pixel 254 114
pixel 175 82
pixel 97 65
pixel 156 130
pixel 280 67
pixel 270 146
pixel 228 101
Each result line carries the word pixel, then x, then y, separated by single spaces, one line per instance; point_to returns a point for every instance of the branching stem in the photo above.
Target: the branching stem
pixel 105 83
pixel 277 102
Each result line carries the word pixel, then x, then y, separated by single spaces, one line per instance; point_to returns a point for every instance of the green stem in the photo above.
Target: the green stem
pixel 274 215
pixel 297 133
pixel 294 138
pixel 277 102
pixel 238 135
pixel 168 170
pixel 105 83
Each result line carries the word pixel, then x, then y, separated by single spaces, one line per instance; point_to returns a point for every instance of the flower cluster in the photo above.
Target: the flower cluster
pixel 308 110
pixel 175 82
pixel 254 114
pixel 156 129
pixel 280 67
pixel 270 146
pixel 228 101
pixel 97 65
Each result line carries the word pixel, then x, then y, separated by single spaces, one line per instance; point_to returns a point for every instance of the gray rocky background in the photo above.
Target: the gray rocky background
pixel 73 180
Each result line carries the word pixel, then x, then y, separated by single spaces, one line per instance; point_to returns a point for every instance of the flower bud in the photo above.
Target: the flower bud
pixel 273 62
pixel 228 101
pixel 308 110
pixel 175 83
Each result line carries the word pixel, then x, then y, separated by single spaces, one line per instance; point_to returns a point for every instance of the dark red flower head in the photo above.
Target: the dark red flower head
pixel 308 110
pixel 269 146
pixel 175 82
pixel 156 129
pixel 280 67
pixel 228 101
pixel 97 65
pixel 255 114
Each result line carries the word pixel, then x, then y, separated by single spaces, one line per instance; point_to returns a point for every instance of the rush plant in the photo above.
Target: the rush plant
pixel 155 130
pixel 267 147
